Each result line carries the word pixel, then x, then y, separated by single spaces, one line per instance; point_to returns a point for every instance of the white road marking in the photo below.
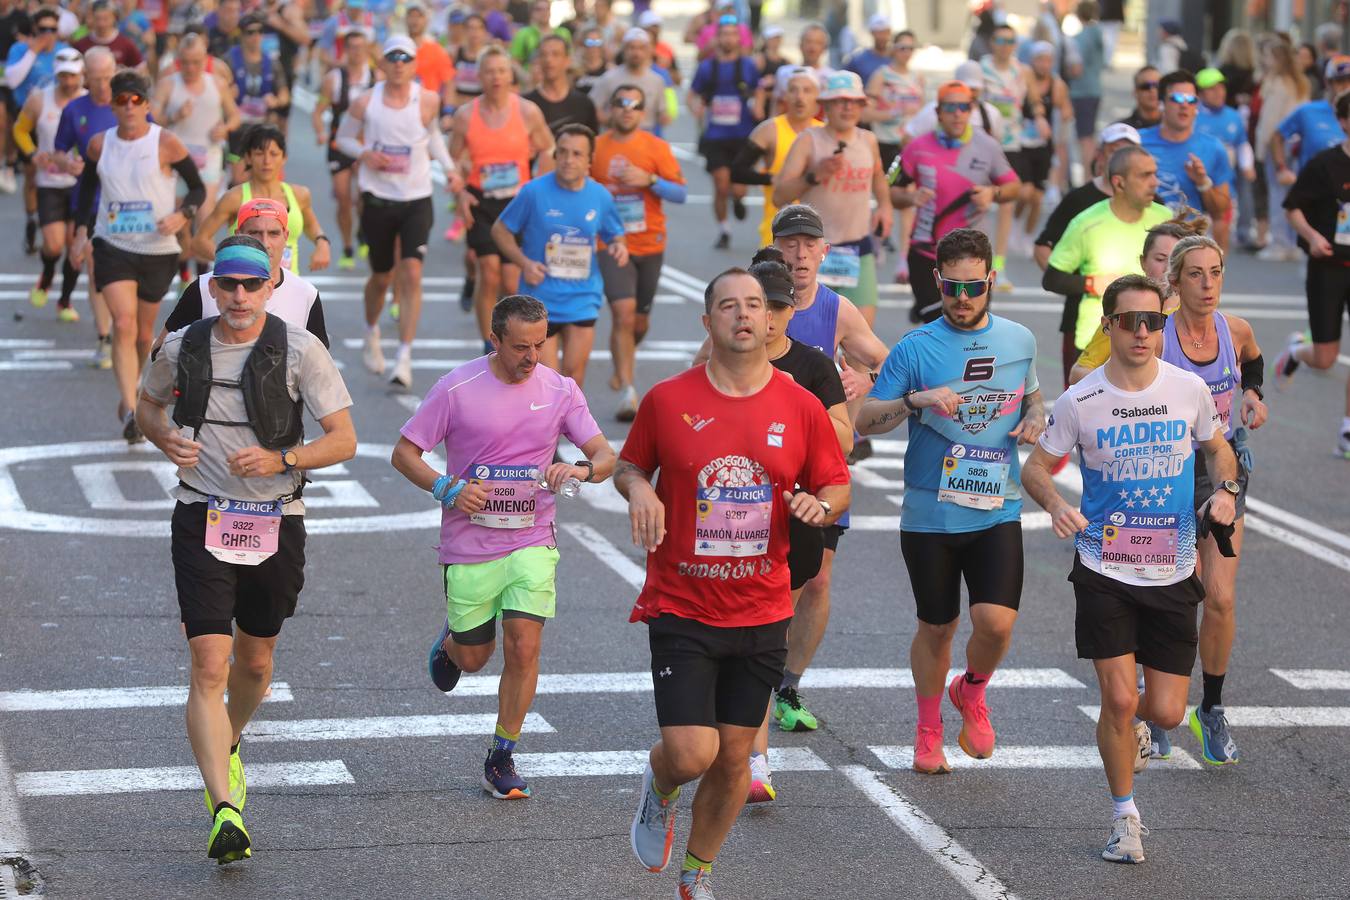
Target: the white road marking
pixel 607 553
pixel 37 365
pixel 13 834
pixel 275 730
pixel 1298 523
pixel 22 343
pixel 902 758
pixel 175 778
pixel 1298 542
pixel 1270 716
pixel 822 679
pixel 113 698
pixel 1316 679
pixel 584 764
pixel 931 837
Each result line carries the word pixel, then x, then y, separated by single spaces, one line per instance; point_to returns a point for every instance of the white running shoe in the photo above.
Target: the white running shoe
pixel 402 375
pixel 372 354
pixel 1143 735
pixel 761 782
pixel 628 404
pixel 8 183
pixel 1125 844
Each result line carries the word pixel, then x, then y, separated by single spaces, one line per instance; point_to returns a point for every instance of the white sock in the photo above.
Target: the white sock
pixel 373 330
pixel 1345 425
pixel 724 227
pixel 405 350
pixel 1124 806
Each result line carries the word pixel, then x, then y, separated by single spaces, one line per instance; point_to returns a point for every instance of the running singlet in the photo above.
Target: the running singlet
pixel 1175 187
pixel 1007 91
pixel 49 120
pixel 844 199
pixel 495 434
pixel 962 472
pixel 901 98
pixel 783 137
pixel 252 83
pixel 295 223
pixel 951 168
pixel 818 324
pixel 722 465
pixel 559 228
pixel 499 157
pixel 1138 466
pixel 1220 373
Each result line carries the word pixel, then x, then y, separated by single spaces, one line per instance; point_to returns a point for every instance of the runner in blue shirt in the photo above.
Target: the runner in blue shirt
pixel 1193 168
pixel 1224 123
pixel 967 382
pixel 1313 123
pixel 559 216
pixel 868 59
pixel 722 95
pixel 32 58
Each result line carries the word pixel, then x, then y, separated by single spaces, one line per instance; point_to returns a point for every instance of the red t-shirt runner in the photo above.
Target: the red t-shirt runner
pixel 722 464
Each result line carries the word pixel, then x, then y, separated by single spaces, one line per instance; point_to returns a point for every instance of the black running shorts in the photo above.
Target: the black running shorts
pixel 53 205
pixel 1156 623
pixel 1328 287
pixel 152 274
pixel 387 222
pixel 990 561
pixel 212 594
pixel 705 675
pixel 485 215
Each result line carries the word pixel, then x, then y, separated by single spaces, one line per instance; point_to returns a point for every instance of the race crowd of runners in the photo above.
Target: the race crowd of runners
pixel 148 144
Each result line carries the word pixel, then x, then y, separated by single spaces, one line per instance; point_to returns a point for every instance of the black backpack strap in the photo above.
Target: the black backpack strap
pixel 192 384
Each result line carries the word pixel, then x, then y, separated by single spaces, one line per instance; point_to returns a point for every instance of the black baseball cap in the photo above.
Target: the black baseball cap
pixel 797 219
pixel 774 278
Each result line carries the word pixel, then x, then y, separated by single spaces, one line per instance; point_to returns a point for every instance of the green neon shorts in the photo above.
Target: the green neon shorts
pixel 521 582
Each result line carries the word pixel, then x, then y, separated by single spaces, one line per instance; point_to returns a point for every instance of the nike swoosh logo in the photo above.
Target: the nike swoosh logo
pixel 539 406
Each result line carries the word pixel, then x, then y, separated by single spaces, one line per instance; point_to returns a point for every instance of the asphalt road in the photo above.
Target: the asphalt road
pixel 365 778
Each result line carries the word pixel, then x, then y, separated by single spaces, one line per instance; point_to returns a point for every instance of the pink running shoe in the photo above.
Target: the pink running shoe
pixel 456 230
pixel 928 756
pixel 977 733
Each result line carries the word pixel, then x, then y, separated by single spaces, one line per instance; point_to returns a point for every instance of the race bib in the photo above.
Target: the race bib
pixel 253 107
pixel 568 257
pixel 131 217
pixel 1343 225
pixel 632 212
pixel 1222 392
pixel 242 532
pixel 198 154
pixel 499 179
pixel 840 267
pixel 726 110
pixel 399 160
pixel 733 521
pixel 1140 545
pixel 511 494
pixel 973 476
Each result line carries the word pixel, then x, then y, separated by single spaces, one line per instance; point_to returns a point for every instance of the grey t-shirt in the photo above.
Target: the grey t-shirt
pixel 653 91
pixel 311 377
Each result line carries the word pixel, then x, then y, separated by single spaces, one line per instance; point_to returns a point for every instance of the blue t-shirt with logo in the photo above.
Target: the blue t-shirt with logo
pixel 1224 125
pixel 81 119
pixel 558 227
pixel 40 75
pixel 1175 187
pixel 962 472
pixel 1314 124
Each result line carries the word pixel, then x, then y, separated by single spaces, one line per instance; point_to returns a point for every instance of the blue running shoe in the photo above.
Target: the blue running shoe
pixel 1211 730
pixel 1160 743
pixel 500 778
pixel 444 673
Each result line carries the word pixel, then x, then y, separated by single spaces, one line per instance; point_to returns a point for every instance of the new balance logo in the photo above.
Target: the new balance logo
pixel 664 672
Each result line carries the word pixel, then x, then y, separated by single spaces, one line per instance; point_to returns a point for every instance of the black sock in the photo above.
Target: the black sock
pixel 347 250
pixel 1213 695
pixel 48 270
pixel 222 804
pixel 69 276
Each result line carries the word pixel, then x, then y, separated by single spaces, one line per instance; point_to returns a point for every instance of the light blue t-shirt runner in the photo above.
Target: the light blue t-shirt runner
pixel 558 227
pixel 1315 126
pixel 1175 187
pixel 962 472
pixel 1138 465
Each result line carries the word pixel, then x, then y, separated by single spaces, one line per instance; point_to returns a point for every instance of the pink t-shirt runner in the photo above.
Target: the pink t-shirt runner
pixel 494 433
pixel 949 171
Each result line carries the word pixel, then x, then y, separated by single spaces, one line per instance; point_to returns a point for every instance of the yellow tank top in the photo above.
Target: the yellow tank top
pixel 782 143
pixel 295 224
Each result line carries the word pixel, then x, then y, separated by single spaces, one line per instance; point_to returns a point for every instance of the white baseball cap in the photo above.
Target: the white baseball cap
pixel 772 31
pixel 636 34
pixel 843 85
pixel 1120 131
pixel 69 61
pixel 399 43
pixel 649 19
pixel 970 74
pixel 879 22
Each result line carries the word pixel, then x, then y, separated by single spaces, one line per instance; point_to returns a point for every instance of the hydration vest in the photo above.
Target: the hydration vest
pixel 272 414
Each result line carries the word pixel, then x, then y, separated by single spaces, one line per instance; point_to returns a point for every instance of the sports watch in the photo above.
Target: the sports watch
pixel 588 466
pixel 1231 487
pixel 289 460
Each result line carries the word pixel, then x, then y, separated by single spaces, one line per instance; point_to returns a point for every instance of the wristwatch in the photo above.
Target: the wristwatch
pixel 1231 487
pixel 1260 394
pixel 909 404
pixel 289 460
pixel 588 466
pixel 825 505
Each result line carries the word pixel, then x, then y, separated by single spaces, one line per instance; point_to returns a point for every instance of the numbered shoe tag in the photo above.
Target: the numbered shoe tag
pixel 511 496
pixel 130 217
pixel 632 212
pixel 726 110
pixel 1343 225
pixel 568 257
pixel 499 179
pixel 400 158
pixel 198 154
pixel 733 521
pixel 1139 544
pixel 242 532
pixel 840 267
pixel 973 476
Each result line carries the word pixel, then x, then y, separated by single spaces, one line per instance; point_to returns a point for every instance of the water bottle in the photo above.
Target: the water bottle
pixel 570 488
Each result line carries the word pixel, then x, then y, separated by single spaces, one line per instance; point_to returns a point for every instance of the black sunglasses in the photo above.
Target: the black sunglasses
pixel 399 56
pixel 1147 86
pixel 1153 321
pixel 954 288
pixel 626 102
pixel 230 285
pixel 253 31
pixel 47 29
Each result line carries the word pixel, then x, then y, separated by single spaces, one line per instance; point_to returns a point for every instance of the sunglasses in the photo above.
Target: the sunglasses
pixel 907 48
pixel 1130 321
pixel 230 285
pixel 626 102
pixel 46 29
pixel 128 99
pixel 1004 41
pixel 1187 99
pixel 398 56
pixel 593 42
pixel 1147 86
pixel 953 107
pixel 972 289
pixel 253 31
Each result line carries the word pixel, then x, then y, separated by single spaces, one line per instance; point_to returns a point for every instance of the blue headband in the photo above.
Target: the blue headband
pixel 239 261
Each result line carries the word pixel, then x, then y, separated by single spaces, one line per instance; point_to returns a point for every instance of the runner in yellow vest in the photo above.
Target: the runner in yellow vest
pixel 772 139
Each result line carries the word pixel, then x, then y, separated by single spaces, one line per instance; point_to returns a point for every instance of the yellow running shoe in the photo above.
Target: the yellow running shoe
pixel 229 839
pixel 346 262
pixel 238 784
pixel 38 297
pixel 68 314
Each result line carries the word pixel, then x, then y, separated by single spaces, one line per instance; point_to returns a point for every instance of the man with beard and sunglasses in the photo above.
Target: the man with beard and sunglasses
pixel 1137 423
pixel 238 533
pixel 968 384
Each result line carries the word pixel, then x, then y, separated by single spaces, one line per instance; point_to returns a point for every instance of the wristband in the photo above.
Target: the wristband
pixel 443 491
pixel 910 403
pixel 1208 185
pixel 1254 375
pixel 322 237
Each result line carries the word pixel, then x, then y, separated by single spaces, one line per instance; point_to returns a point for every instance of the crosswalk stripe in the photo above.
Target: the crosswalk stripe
pixel 1271 716
pixel 902 758
pixel 1316 679
pixel 634 762
pixel 174 778
pixel 112 698
pixel 276 730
